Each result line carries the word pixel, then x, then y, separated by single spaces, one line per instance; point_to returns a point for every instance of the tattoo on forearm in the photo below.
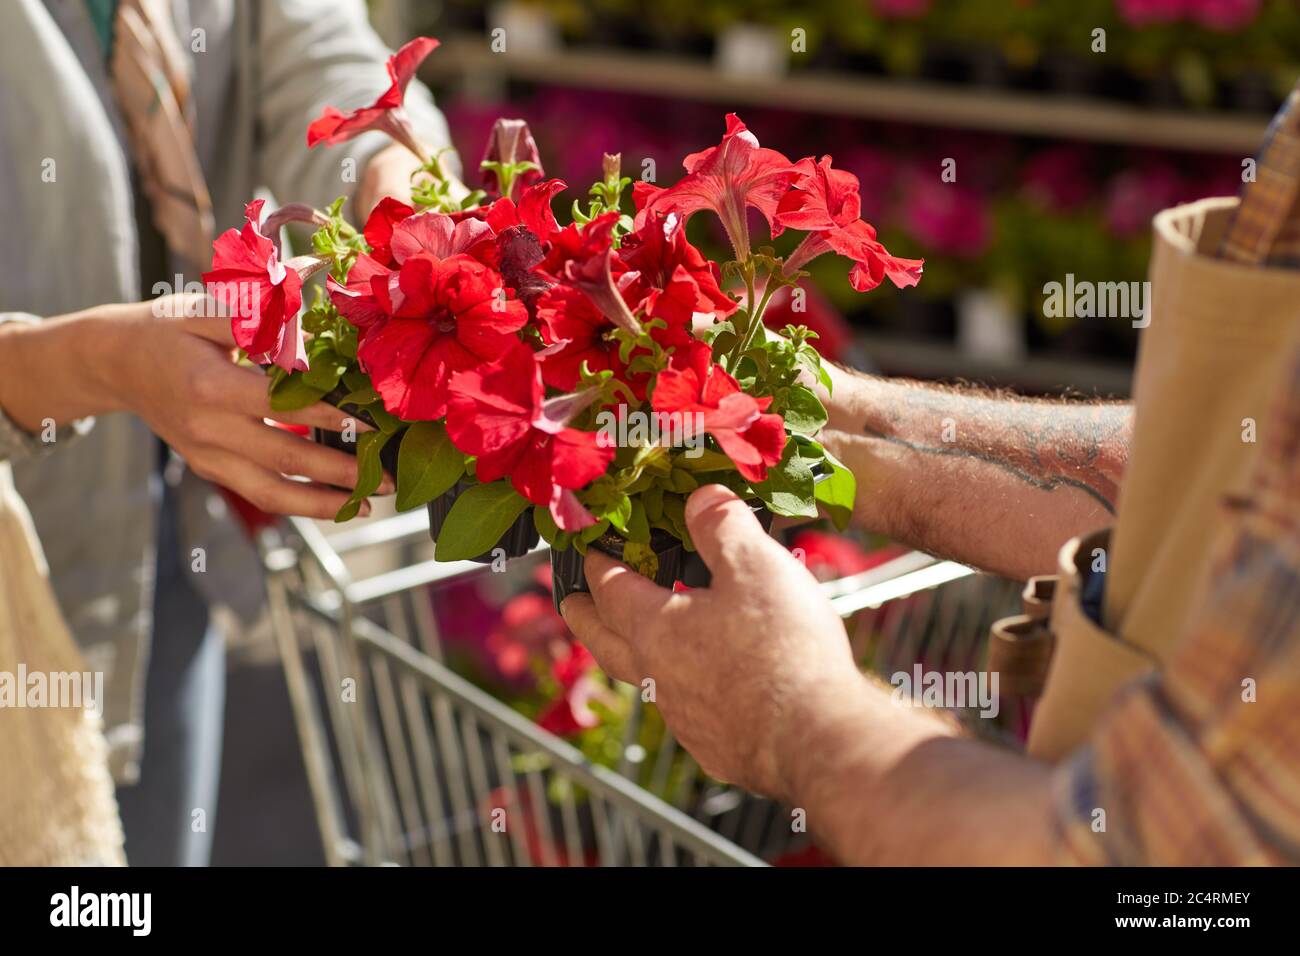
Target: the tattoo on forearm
pixel 1045 444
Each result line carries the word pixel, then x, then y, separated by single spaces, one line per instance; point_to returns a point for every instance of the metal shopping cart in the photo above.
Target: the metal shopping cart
pixel 410 763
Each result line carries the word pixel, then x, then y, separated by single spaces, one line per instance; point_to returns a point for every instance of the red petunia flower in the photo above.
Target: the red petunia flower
pixel 576 332
pixel 498 414
pixel 386 114
pixel 728 178
pixel 826 202
pixel 522 233
pixel 669 278
pixel 442 237
pixel 378 230
pixel 700 392
pixel 533 211
pixel 529 629
pixel 441 316
pixel 583 258
pixel 395 232
pixel 830 556
pixel 262 294
pixel 356 299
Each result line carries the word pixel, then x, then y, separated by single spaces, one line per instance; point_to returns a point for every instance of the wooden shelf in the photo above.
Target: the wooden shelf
pixel 469 57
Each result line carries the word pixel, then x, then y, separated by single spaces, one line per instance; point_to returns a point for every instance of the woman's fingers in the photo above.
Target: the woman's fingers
pixel 199 314
pixel 319 415
pixel 270 492
pixel 289 454
pixel 244 390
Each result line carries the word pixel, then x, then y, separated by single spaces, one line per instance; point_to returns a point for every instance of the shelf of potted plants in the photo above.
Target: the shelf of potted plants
pixel 849 94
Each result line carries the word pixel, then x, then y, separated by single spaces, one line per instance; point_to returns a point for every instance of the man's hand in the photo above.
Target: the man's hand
pixel 174 371
pixel 754 676
pixel 737 666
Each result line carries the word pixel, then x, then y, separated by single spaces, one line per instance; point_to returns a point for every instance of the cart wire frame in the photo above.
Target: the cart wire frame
pixel 410 763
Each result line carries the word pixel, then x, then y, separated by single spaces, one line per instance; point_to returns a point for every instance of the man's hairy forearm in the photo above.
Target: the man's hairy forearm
pixel 992 480
pixel 887 785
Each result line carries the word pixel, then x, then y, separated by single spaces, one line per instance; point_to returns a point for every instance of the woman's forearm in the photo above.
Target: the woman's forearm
pixel 996 481
pixel 58 370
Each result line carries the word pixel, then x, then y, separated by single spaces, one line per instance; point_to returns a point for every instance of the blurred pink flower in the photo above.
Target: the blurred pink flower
pixel 568 714
pixel 529 629
pixel 900 9
pixel 945 217
pixel 1059 178
pixel 1225 15
pixel 1141 13
pixel 830 556
pixel 1135 195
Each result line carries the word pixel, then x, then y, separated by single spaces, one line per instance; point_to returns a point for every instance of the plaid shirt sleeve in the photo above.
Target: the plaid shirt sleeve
pixel 1200 764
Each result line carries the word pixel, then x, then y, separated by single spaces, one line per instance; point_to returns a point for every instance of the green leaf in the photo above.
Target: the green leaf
pixel 682 482
pixel 545 525
pixel 641 559
pixel 355 380
pixel 619 512
pixel 292 393
pixel 591 533
pixel 360 397
pixel 638 526
pixel 370 472
pixel 428 464
pixel 478 519
pixel 675 515
pixel 804 412
pixel 837 493
pixel 788 489
pixel 387 423
pixel 703 459
pixel 810 359
pixel 652 499
pixel 326 370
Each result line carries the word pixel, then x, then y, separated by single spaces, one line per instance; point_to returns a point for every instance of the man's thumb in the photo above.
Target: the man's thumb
pixel 723 528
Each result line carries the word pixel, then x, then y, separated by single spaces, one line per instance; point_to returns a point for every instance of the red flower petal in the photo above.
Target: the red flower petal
pixel 402 66
pixel 333 126
pixel 579 458
pixel 356 300
pixel 568 511
pixel 825 198
pixel 411 363
pixel 379 227
pixel 728 178
pixel 439 235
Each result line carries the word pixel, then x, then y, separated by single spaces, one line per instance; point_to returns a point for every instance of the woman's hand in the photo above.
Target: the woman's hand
pixel 388 173
pixel 170 364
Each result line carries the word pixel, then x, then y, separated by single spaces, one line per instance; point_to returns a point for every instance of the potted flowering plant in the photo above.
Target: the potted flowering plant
pixel 575 382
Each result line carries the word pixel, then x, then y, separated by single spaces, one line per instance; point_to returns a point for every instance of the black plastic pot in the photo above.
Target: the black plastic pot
pixel 521 537
pixel 387 457
pixel 675 562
